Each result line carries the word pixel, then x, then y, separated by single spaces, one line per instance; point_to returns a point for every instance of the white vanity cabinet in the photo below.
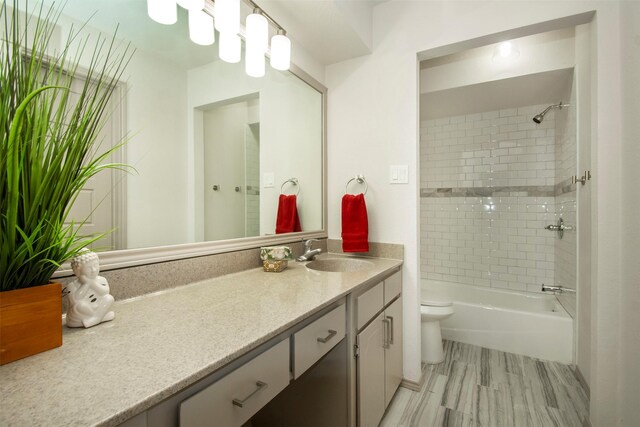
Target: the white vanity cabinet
pixel 379 349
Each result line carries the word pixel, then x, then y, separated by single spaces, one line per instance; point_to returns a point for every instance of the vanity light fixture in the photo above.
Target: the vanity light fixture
pixel 163 11
pixel 191 4
pixel 226 14
pixel 256 43
pixel 280 51
pixel 201 28
pixel 230 48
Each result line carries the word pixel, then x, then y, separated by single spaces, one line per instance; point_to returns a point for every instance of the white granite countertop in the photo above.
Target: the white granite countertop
pixel 161 343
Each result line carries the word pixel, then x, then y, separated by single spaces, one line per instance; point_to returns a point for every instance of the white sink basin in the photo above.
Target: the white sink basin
pixel 339 265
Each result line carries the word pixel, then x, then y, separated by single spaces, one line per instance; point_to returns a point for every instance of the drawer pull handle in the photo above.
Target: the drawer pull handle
pixel 240 403
pixel 332 334
pixel 390 329
pixel 386 341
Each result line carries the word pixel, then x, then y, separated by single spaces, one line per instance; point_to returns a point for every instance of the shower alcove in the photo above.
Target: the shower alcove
pixel 491 180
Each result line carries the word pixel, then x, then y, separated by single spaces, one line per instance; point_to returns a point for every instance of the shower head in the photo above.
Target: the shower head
pixel 538 118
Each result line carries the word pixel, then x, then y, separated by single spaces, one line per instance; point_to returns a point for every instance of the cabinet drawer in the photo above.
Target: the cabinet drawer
pixel 392 287
pixel 316 339
pixel 369 303
pixel 236 397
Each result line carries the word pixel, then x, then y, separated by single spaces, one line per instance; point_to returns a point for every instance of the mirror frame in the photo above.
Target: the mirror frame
pixel 112 260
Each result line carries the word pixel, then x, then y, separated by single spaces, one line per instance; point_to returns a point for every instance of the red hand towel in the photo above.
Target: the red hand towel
pixel 287 219
pixel 355 225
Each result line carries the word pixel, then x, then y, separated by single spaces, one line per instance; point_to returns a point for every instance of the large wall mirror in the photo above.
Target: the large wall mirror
pixel 212 147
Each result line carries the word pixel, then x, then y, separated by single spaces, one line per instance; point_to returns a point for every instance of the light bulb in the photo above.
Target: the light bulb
pixel 505 53
pixel 230 48
pixel 257 32
pixel 227 16
pixel 163 11
pixel 191 4
pixel 254 62
pixel 505 49
pixel 280 51
pixel 201 28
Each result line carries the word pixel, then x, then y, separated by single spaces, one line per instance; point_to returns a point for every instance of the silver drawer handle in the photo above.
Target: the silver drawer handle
pixel 386 342
pixel 240 403
pixel 332 334
pixel 390 329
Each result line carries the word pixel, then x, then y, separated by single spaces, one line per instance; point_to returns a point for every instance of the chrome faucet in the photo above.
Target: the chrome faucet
pixel 556 289
pixel 309 254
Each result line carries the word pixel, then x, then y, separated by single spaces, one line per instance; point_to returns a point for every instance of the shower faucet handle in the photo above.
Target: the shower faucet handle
pixel 583 179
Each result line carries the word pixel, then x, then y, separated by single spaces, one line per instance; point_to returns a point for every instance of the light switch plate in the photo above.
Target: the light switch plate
pixel 399 174
pixel 268 180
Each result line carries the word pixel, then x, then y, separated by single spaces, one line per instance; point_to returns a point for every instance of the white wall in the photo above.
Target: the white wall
pixel 157 123
pixel 629 368
pixel 585 39
pixel 373 122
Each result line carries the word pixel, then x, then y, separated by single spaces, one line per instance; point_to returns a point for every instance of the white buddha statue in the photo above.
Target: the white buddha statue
pixel 89 298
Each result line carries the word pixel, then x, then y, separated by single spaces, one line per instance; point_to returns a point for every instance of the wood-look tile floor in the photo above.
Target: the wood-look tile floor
pixel 476 386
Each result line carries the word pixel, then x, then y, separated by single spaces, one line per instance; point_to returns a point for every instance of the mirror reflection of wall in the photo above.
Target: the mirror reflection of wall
pixel 231 170
pixel 168 88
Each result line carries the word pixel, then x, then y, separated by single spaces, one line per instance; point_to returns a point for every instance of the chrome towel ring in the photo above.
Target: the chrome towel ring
pixel 293 181
pixel 360 180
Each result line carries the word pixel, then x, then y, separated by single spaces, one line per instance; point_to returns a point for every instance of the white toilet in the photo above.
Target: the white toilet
pixel 432 311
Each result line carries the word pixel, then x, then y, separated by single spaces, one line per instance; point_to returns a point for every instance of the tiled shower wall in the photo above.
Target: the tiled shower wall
pixel 488 188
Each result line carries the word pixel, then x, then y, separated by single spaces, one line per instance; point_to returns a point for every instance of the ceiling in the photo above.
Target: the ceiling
pixel 330 30
pixel 531 89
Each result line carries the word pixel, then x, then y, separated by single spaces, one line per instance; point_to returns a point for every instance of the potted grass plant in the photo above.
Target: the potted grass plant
pixel 50 147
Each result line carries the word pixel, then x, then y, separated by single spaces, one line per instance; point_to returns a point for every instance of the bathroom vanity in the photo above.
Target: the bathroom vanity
pixel 250 347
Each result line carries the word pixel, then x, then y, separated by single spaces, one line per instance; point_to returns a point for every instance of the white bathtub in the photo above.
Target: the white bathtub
pixel 516 322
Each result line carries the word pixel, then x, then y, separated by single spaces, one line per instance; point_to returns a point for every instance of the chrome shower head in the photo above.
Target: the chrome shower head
pixel 538 118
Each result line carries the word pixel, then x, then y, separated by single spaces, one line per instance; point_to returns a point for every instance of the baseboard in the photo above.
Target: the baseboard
pixel 413 385
pixel 582 381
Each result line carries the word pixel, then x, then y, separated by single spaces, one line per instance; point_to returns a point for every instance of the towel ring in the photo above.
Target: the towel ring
pixel 360 180
pixel 293 181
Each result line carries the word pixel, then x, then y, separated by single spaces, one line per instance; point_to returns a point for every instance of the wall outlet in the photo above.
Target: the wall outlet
pixel 399 174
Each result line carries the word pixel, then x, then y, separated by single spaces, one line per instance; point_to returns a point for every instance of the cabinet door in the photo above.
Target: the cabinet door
pixel 393 354
pixel 371 402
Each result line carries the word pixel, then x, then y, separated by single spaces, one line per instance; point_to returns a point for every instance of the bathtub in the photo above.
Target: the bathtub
pixel 516 322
